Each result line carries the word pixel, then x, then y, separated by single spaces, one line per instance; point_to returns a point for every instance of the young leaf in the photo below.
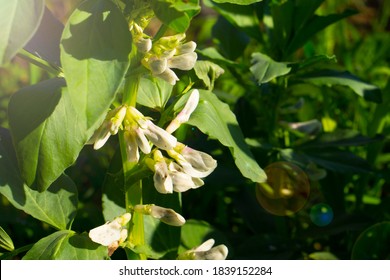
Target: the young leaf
pixel 66 245
pixel 214 118
pixel 95 48
pixel 208 72
pixel 154 93
pixel 47 132
pixel 57 206
pixel 329 78
pixel 265 68
pixel 6 241
pixel 176 14
pixel 19 19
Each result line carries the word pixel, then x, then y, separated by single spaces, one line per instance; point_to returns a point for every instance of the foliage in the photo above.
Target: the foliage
pixel 287 101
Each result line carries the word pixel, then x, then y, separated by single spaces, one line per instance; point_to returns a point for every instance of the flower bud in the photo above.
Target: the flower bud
pixel 165 215
pixel 206 251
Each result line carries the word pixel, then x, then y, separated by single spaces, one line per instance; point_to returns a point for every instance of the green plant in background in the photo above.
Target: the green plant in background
pixel 95 146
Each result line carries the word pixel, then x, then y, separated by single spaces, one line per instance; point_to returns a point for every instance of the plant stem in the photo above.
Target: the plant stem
pixel 40 62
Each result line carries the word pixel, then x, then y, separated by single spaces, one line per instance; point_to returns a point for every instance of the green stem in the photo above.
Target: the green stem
pixel 131 170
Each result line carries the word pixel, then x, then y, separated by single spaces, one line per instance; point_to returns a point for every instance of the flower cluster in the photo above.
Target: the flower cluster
pixel 181 169
pixel 169 53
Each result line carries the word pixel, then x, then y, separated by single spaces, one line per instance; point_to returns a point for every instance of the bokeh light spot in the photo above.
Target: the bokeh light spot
pixel 321 214
pixel 286 190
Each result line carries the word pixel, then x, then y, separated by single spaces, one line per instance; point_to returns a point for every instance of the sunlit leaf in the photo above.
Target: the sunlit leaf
pixel 66 245
pixel 266 69
pixel 208 72
pixel 19 19
pixel 176 14
pixel 368 91
pixel 153 93
pixel 45 126
pixel 214 118
pixel 57 206
pixel 95 49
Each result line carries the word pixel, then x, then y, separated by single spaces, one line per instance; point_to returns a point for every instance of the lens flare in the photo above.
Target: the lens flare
pixel 321 214
pixel 286 190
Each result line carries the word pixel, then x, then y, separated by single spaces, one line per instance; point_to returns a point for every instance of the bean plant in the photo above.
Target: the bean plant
pixel 181 114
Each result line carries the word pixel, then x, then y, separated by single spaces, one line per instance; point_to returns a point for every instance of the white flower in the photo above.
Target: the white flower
pixel 169 176
pixel 139 129
pixel 169 53
pixel 111 233
pixel 165 215
pixel 206 251
pixel 185 114
pixel 194 163
pixel 110 126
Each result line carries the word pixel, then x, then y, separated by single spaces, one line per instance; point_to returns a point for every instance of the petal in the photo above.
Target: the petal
pixel 219 252
pixel 105 234
pixel 131 147
pixel 184 61
pixel 199 162
pixel 185 114
pixel 142 142
pixel 169 76
pixel 186 48
pixel 158 66
pixel 159 137
pixel 167 216
pixel 161 178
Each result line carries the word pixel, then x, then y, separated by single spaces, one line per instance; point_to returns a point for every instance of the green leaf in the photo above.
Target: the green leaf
pixel 154 93
pixel 19 19
pixel 242 17
pixel 95 48
pixel 176 14
pixel 208 72
pixel 47 132
pixel 313 26
pixel 238 2
pixel 194 233
pixel 330 78
pixel 266 69
pixel 66 245
pixel 214 118
pixel 214 55
pixel 329 158
pixel 372 244
pixel 57 206
pixel 6 241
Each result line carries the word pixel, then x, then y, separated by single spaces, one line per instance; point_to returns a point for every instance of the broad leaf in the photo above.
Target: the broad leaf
pixel 208 72
pixel 266 69
pixel 176 14
pixel 154 93
pixel 242 17
pixel 57 206
pixel 313 26
pixel 330 78
pixel 194 233
pixel 214 118
pixel 95 49
pixel 19 19
pixel 47 132
pixel 214 55
pixel 66 245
